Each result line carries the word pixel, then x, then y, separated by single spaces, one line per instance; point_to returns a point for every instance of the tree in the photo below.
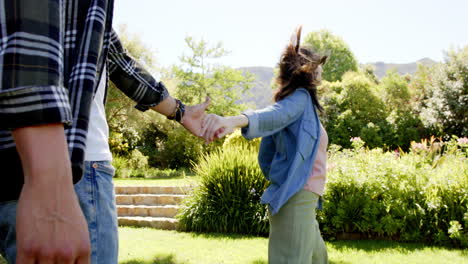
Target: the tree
pixel 198 77
pixel 403 118
pixel 419 86
pixel 395 91
pixel 341 59
pixel 447 101
pixel 118 106
pixel 353 109
pixel 124 120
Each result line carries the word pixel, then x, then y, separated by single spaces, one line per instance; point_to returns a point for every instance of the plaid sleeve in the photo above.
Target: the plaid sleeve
pixel 132 79
pixel 31 58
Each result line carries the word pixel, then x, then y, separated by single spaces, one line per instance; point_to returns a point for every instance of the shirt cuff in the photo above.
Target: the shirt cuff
pixel 251 131
pixel 145 106
pixel 32 106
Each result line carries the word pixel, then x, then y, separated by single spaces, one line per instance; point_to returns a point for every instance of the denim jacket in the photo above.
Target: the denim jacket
pixel 291 130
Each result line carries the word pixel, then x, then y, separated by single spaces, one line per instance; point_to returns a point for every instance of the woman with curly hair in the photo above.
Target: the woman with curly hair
pixel 292 155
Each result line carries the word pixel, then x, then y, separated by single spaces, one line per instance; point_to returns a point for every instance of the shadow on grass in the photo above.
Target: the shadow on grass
pixel 261 261
pixel 158 259
pixel 222 236
pixel 380 245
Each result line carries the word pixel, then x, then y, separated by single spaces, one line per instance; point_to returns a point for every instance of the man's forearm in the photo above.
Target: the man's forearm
pixel 42 150
pixel 166 107
pixel 49 224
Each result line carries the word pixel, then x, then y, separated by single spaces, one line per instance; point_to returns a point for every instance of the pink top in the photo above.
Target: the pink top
pixel 318 176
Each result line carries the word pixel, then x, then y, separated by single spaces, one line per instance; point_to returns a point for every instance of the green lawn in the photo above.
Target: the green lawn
pixel 148 246
pixel 176 181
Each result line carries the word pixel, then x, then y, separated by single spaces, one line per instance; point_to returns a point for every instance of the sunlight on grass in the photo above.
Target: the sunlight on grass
pixel 151 246
pixel 142 245
pixel 148 246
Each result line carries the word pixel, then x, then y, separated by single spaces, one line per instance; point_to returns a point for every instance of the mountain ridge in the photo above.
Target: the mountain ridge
pixel 261 93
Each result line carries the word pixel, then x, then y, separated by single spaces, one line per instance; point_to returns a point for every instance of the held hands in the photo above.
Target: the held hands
pixel 193 117
pixel 210 126
pixel 215 126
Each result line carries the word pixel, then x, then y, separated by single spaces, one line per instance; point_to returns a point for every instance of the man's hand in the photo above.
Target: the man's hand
pixel 193 117
pixel 50 225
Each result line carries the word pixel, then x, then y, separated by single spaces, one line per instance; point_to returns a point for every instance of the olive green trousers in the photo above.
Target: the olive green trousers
pixel 294 232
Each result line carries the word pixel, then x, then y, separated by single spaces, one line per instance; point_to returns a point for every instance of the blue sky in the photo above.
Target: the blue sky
pixel 256 31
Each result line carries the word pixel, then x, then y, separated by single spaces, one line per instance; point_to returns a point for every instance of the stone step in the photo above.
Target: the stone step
pixel 149 199
pixel 145 210
pixel 154 222
pixel 152 189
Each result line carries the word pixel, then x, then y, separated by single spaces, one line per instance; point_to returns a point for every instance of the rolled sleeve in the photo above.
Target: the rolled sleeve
pixel 31 106
pixel 31 55
pixel 132 79
pixel 251 131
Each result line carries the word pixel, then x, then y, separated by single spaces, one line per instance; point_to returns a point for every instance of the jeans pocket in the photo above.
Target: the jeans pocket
pixel 104 167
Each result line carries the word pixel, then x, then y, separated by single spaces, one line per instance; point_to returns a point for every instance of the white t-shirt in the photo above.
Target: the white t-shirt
pixel 97 143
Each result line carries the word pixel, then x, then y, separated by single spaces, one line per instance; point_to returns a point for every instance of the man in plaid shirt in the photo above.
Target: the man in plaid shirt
pixel 53 53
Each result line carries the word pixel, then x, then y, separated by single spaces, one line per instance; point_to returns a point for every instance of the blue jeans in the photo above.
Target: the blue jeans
pixel 96 195
pixel 97 200
pixel 8 231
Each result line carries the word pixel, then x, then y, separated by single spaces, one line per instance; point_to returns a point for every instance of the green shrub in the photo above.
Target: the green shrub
pixel 236 139
pixel 123 140
pixel 153 173
pixel 133 165
pixel 228 196
pixel 137 167
pixel 169 145
pixel 354 109
pixel 420 195
pixel 403 196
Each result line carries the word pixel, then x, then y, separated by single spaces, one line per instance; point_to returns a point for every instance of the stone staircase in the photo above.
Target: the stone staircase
pixel 149 206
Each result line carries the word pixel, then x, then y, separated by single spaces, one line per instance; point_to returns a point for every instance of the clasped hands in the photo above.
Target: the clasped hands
pixel 214 127
pixel 210 126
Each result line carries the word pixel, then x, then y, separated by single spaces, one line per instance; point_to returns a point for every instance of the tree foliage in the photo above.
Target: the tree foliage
pixel 354 109
pixel 446 104
pixel 199 76
pixel 124 120
pixel 341 59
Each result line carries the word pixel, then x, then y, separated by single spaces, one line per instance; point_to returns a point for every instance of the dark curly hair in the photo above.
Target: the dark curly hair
pixel 297 69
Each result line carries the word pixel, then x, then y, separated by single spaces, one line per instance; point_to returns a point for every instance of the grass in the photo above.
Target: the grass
pixel 148 246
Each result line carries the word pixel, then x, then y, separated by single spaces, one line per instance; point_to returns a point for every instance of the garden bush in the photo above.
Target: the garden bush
pixel 133 165
pixel 169 145
pixel 136 166
pixel 228 196
pixel 236 139
pixel 419 195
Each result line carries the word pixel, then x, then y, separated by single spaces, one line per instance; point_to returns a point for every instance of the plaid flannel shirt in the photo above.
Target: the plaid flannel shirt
pixel 52 53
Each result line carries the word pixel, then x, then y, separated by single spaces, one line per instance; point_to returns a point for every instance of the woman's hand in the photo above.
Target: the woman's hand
pixel 215 126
